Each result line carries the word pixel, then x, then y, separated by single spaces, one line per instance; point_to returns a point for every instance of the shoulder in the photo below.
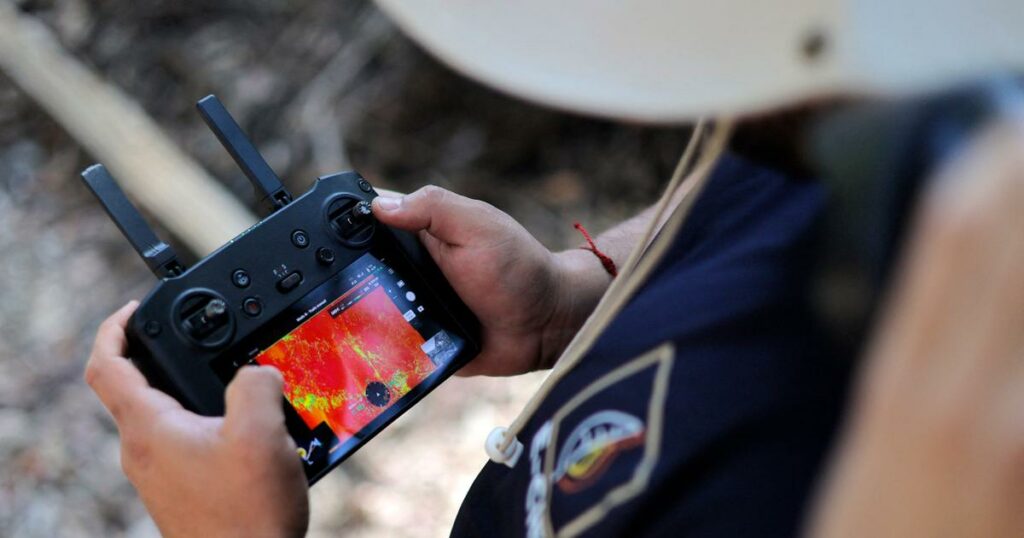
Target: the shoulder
pixel 704 407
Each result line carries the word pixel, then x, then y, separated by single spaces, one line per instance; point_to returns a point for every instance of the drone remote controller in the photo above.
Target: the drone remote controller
pixel 356 316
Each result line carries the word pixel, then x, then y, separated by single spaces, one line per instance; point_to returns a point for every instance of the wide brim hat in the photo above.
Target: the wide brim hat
pixel 666 61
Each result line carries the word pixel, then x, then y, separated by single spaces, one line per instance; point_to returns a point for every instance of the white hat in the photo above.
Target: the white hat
pixel 673 60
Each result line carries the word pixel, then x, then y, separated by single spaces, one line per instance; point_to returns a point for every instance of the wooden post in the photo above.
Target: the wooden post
pixel 151 169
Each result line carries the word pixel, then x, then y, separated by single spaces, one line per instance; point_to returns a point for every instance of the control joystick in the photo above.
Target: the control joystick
pixel 214 310
pixel 207 320
pixel 351 220
pixel 204 319
pixel 362 211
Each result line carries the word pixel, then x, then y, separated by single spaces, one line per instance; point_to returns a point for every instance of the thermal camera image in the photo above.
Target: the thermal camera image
pixel 346 369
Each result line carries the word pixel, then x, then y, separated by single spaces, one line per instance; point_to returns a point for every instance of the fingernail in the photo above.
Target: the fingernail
pixel 388 203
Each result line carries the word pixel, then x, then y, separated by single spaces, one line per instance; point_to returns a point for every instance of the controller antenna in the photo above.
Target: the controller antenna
pixel 159 256
pixel 269 189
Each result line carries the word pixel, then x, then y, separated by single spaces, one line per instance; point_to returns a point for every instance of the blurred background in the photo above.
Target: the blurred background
pixel 320 87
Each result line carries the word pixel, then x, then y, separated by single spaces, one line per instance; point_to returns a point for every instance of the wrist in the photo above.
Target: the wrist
pixel 579 282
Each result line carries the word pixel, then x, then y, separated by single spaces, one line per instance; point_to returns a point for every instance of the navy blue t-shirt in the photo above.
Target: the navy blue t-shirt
pixel 706 406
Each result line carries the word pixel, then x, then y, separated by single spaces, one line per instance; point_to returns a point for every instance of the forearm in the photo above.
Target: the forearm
pixel 618 241
pixel 583 280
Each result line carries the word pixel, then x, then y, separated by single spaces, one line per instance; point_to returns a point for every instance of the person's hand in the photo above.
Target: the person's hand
pixel 530 302
pixel 936 443
pixel 200 476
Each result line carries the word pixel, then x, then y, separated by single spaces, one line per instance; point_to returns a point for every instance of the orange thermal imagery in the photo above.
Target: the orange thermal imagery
pixel 346 370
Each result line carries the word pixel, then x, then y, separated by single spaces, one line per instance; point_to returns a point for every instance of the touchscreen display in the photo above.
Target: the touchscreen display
pixel 363 341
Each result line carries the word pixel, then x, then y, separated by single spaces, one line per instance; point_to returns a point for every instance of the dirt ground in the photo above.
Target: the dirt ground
pixel 320 86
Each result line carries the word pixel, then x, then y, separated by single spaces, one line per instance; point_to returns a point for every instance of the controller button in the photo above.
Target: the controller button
pixel 252 307
pixel 300 238
pixel 240 278
pixel 325 256
pixel 289 282
pixel 152 328
pixel 364 185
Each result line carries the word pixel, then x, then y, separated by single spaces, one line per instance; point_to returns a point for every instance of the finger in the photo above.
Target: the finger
pixel 253 401
pixel 433 245
pixel 120 386
pixel 110 338
pixel 451 218
pixel 389 193
pixel 492 362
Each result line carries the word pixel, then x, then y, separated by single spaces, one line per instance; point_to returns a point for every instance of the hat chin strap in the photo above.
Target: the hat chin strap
pixel 688 180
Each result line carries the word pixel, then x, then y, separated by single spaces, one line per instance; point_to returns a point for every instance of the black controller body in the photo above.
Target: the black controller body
pixel 356 316
pixel 280 267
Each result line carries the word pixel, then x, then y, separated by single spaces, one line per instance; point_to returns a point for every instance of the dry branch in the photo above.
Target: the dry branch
pixel 119 133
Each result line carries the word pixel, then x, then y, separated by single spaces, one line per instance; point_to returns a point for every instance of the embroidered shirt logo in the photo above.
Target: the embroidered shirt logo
pixel 598 449
pixel 592 447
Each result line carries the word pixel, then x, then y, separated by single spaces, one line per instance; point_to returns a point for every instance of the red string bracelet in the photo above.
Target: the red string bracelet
pixel 606 261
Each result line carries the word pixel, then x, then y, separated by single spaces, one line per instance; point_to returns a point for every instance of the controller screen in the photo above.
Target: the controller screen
pixel 354 356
